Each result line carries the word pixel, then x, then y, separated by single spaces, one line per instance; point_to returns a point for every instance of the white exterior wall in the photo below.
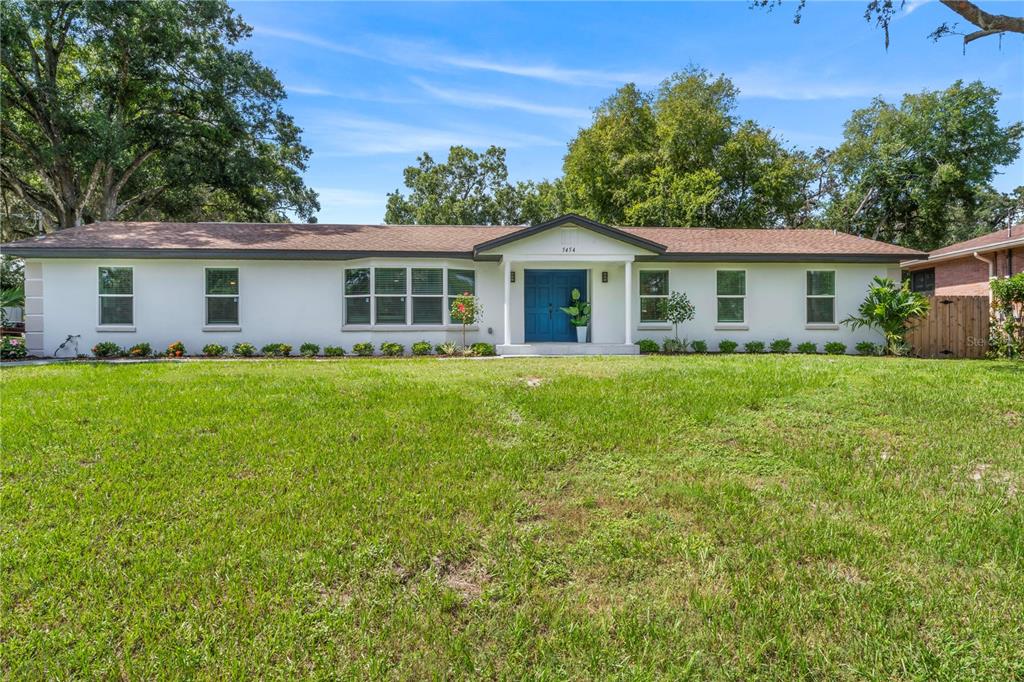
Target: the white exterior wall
pixel 279 301
pixel 298 301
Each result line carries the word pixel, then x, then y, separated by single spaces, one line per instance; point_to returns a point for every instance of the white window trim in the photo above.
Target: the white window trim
pixel 117 326
pixel 738 325
pixel 808 295
pixel 446 323
pixel 651 324
pixel 227 326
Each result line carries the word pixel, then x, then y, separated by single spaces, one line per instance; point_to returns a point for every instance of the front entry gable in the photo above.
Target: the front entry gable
pixel 567 237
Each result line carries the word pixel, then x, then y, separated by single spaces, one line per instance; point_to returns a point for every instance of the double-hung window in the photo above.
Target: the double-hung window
pixel 732 293
pixel 427 296
pixel 821 297
pixel 389 295
pixel 357 296
pixel 459 282
pixel 222 296
pixel 117 301
pixel 653 295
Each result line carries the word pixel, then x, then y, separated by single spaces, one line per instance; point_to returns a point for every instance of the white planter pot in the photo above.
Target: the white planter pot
pixel 581 334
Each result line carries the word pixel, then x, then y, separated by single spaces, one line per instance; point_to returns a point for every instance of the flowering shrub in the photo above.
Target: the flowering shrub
pixel 754 346
pixel 727 346
pixel 363 349
pixel 482 349
pixel 334 351
pixel 1006 322
pixel 835 348
pixel 447 348
pixel 648 346
pixel 699 346
pixel 309 350
pixel 12 348
pixel 276 350
pixel 107 349
pixel 392 349
pixel 245 350
pixel 176 349
pixel 807 347
pixel 213 350
pixel 781 345
pixel 465 310
pixel 421 348
pixel 140 350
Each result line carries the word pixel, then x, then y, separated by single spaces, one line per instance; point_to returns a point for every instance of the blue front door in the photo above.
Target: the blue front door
pixel 544 293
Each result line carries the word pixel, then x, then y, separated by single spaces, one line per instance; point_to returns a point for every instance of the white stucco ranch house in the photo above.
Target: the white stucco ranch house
pixel 204 283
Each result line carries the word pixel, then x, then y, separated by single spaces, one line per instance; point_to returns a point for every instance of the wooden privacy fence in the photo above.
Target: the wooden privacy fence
pixel 956 327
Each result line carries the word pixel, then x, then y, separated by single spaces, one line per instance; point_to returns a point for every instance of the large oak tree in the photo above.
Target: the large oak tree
pixel 119 110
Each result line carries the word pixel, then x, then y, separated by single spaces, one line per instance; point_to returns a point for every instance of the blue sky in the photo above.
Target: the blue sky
pixel 374 85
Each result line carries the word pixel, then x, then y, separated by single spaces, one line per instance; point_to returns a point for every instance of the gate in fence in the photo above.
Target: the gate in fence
pixel 956 327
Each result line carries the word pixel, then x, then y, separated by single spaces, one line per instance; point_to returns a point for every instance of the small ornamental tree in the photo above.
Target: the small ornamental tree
pixel 679 310
pixel 466 310
pixel 892 310
pixel 1006 332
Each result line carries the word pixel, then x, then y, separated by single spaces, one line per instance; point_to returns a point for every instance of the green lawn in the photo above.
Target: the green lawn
pixel 652 517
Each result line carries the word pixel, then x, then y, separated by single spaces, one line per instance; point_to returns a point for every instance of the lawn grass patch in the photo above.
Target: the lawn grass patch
pixel 719 517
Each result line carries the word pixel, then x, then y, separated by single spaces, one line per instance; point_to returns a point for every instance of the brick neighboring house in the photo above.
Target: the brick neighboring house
pixel 965 268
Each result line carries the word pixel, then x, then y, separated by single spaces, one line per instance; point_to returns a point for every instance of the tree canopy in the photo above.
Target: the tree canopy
pixel 470 188
pixel 916 173
pixel 681 156
pixel 122 110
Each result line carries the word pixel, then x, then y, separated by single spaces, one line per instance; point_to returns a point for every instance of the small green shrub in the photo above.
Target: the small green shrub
pixel 243 349
pixel 12 348
pixel 781 345
pixel 835 348
pixel 754 346
pixel 276 350
pixel 673 345
pixel 482 349
pixel 421 348
pixel 727 346
pixel 699 346
pixel 807 347
pixel 868 348
pixel 140 350
pixel 107 349
pixel 363 349
pixel 176 349
pixel 648 346
pixel 309 350
pixel 447 348
pixel 392 349
pixel 334 351
pixel 213 350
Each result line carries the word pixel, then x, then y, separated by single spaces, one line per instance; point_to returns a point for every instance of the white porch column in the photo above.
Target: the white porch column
pixel 629 302
pixel 508 300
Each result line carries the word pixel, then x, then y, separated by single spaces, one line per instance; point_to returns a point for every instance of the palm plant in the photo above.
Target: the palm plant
pixel 10 298
pixel 890 309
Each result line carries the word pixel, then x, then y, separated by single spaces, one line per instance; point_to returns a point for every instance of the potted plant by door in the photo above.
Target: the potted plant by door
pixel 579 315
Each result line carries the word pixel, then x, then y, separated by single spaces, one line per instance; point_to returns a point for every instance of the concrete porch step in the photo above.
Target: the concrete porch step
pixel 569 349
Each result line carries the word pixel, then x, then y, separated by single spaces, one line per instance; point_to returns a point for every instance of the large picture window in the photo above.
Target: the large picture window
pixel 222 296
pixel 731 288
pixel 821 297
pixel 460 282
pixel 117 300
pixel 357 296
pixel 653 295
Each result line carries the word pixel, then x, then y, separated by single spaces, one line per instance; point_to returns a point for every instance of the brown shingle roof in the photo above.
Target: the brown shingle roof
pixel 992 239
pixel 295 239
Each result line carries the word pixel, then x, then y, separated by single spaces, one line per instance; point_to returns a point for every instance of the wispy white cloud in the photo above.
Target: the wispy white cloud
pixel 316 91
pixel 344 135
pixel 784 83
pixel 431 57
pixel 308 90
pixel 914 5
pixel 487 100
